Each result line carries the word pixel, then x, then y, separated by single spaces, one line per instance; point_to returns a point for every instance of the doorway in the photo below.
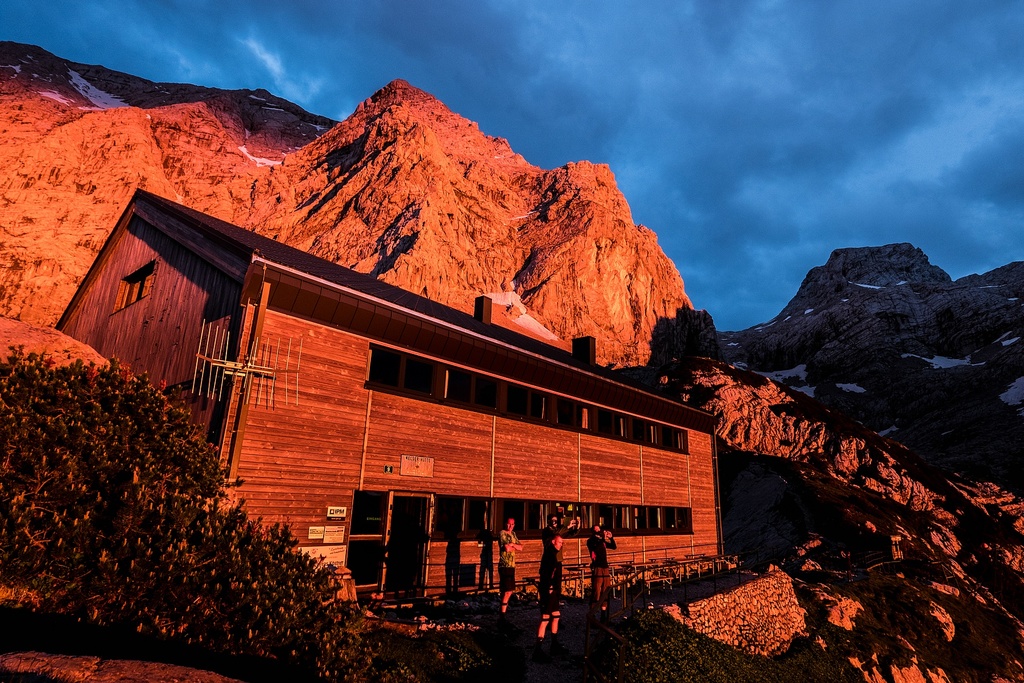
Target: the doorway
pixel 405 550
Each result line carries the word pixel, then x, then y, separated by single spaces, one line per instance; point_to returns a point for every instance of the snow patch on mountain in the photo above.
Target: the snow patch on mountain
pixel 259 161
pixel 55 96
pixel 799 372
pixel 942 362
pixel 99 98
pixel 1014 394
pixel 852 388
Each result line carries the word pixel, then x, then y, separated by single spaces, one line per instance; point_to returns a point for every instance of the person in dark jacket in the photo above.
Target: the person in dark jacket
pixel 550 587
pixel 600 576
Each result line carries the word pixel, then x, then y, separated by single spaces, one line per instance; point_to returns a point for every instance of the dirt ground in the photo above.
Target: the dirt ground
pixel 479 612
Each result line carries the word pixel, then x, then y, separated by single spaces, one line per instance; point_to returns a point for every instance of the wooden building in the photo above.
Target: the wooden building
pixel 391 433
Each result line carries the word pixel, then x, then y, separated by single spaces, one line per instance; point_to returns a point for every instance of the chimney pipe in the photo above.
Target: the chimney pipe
pixel 585 349
pixel 482 309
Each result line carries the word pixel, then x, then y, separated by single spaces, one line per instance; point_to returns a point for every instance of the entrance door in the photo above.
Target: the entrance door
pixel 405 549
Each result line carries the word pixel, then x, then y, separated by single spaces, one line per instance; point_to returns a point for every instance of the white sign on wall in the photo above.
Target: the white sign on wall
pixel 330 554
pixel 337 512
pixel 316 533
pixel 334 534
pixel 417 466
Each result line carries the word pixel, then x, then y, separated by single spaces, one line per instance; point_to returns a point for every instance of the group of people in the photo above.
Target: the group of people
pixel 550 584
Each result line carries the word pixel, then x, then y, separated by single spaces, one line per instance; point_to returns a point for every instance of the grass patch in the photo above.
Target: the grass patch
pixel 661 650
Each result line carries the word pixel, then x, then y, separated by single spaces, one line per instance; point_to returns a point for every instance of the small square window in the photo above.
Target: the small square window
pixel 517 400
pixel 385 367
pixel 460 386
pixel 419 376
pixel 136 286
pixel 486 393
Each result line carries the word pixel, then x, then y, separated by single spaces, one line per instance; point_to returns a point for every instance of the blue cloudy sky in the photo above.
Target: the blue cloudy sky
pixel 754 137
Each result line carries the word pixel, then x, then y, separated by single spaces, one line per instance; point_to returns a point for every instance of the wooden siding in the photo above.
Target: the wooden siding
pixel 702 490
pixel 298 459
pixel 535 462
pixel 458 441
pixel 666 477
pixel 609 471
pixel 159 333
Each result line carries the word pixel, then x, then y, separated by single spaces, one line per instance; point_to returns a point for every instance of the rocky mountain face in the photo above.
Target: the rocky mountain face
pixel 826 496
pixel 888 338
pixel 403 189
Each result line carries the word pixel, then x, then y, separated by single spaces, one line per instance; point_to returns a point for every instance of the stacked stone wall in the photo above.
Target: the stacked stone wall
pixel 759 617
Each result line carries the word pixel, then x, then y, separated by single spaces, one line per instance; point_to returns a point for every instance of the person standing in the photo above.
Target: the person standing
pixel 508 543
pixel 600 576
pixel 550 589
pixel 550 586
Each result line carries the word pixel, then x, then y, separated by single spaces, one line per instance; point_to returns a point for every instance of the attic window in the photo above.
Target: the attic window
pixel 136 286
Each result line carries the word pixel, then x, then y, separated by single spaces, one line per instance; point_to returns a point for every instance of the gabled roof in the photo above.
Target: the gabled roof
pixel 254 247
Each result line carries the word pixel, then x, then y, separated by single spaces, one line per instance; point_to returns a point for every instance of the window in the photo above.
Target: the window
pixel 448 522
pixel 605 422
pixel 517 400
pixel 536 516
pixel 460 386
pixel 516 509
pixel 676 439
pixel 678 520
pixel 582 417
pixel 639 430
pixel 419 376
pixel 479 515
pixel 646 517
pixel 367 513
pixel 565 412
pixel 486 393
pixel 613 516
pixel 538 406
pixel 136 286
pixel 385 367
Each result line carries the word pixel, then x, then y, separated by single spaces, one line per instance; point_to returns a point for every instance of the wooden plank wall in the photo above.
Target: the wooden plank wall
pixel 297 460
pixel 158 334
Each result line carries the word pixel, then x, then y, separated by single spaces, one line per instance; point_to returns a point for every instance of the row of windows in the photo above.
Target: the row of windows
pixel 457 517
pixel 441 382
pixel 471 518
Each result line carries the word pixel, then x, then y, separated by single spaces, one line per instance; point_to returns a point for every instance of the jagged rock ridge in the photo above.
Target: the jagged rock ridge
pixel 890 339
pixel 403 189
pixel 809 486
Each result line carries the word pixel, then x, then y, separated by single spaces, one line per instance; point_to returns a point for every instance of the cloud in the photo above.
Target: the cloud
pixel 754 136
pixel 300 89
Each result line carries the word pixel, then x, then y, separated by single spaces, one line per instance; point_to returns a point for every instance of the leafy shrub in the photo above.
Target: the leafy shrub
pixel 659 649
pixel 113 508
pixel 448 657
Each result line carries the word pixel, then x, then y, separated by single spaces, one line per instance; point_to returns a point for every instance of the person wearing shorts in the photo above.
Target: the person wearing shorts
pixel 508 543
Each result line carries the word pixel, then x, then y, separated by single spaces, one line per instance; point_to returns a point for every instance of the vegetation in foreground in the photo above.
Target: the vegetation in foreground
pixel 661 650
pixel 113 511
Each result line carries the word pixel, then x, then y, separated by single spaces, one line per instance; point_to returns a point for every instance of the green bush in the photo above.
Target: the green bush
pixel 659 649
pixel 113 508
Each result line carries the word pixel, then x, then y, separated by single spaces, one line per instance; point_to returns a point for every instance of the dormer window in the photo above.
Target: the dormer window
pixel 136 286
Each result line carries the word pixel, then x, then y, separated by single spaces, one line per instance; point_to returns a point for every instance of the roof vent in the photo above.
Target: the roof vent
pixel 585 349
pixel 482 309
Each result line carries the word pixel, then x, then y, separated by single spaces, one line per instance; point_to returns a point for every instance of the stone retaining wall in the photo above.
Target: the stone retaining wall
pixel 760 617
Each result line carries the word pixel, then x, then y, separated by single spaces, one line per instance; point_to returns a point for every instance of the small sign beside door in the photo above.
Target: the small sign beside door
pixel 417 466
pixel 336 512
pixel 334 534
